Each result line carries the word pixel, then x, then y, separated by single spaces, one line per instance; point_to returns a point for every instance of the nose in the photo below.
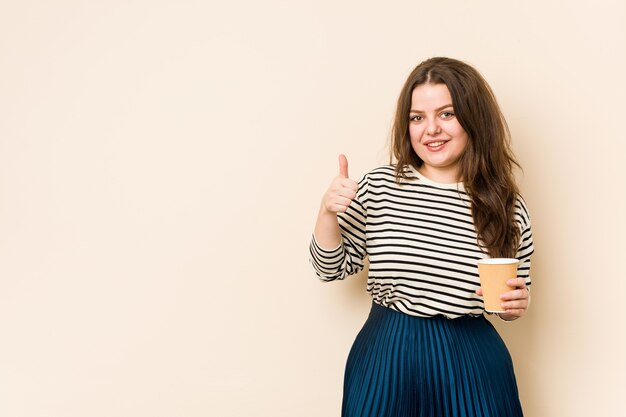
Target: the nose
pixel 433 127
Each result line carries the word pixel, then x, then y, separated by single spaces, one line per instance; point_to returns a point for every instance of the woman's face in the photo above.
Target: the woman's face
pixel 436 135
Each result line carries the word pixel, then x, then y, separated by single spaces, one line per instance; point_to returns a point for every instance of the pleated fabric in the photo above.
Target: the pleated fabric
pixel 408 366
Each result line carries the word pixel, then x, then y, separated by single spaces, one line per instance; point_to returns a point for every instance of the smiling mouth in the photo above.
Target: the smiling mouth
pixel 436 144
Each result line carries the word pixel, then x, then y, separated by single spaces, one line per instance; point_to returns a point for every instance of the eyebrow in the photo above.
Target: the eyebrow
pixel 437 109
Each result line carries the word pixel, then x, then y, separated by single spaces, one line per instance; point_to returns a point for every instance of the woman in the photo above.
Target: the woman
pixel 449 200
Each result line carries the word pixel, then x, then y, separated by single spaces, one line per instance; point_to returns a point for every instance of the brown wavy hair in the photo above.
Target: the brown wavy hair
pixel 487 163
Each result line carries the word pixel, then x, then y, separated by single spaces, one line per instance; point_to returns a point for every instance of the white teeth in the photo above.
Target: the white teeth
pixel 435 144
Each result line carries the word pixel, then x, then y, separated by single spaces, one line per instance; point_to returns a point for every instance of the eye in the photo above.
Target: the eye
pixel 416 118
pixel 447 115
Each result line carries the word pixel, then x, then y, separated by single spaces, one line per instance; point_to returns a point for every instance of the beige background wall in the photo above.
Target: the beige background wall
pixel 161 164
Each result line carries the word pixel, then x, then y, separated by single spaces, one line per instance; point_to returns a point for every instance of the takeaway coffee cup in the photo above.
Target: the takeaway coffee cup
pixel 494 273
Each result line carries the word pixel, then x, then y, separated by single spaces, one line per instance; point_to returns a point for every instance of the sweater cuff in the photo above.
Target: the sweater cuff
pixel 319 249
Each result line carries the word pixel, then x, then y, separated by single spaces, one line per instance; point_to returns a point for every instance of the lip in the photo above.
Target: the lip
pixel 436 148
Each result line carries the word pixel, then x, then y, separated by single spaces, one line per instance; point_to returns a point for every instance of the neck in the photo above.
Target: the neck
pixel 445 175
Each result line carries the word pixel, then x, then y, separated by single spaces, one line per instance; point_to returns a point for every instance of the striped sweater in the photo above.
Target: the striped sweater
pixel 421 243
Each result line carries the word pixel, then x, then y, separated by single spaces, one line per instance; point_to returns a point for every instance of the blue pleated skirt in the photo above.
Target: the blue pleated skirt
pixel 406 366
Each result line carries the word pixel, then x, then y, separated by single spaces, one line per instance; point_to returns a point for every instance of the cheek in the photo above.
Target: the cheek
pixel 457 130
pixel 463 139
pixel 415 132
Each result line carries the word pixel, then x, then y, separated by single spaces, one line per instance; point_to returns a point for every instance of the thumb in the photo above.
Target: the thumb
pixel 343 166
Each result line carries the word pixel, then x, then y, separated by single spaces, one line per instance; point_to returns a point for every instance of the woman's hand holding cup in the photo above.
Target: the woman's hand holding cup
pixel 515 302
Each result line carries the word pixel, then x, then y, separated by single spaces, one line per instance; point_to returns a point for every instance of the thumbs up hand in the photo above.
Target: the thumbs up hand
pixel 342 190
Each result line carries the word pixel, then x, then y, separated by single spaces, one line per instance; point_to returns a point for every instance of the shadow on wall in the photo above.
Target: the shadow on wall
pixel 518 338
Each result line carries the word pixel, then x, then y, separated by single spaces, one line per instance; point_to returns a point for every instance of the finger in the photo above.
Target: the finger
pixel 338 190
pixel 517 282
pixel 515 305
pixel 341 201
pixel 336 207
pixel 347 183
pixel 343 166
pixel 479 291
pixel 516 312
pixel 515 295
pixel 347 193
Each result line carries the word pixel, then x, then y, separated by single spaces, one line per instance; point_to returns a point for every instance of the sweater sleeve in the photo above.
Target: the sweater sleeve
pixel 349 257
pixel 526 247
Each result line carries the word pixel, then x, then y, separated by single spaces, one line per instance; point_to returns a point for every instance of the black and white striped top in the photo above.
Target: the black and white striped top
pixel 421 243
